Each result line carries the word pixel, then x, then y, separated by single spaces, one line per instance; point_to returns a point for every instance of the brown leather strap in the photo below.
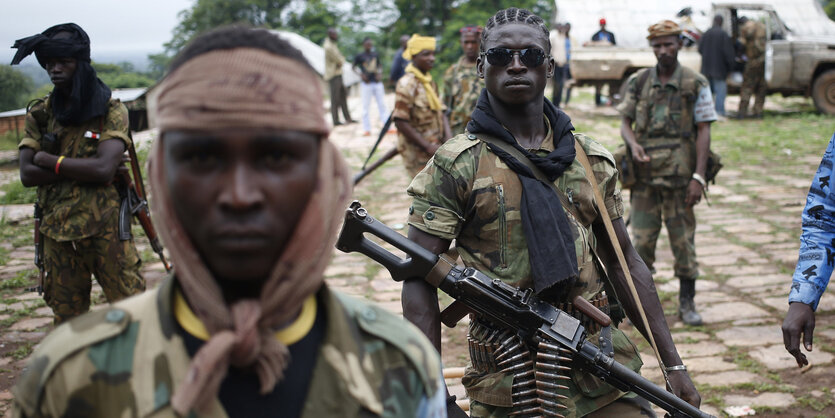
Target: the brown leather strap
pixel 610 229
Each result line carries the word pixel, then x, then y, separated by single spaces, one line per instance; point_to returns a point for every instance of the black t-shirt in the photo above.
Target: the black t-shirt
pixel 369 64
pixel 240 390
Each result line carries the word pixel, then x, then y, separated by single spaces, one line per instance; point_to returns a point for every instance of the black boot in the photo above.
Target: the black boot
pixel 686 305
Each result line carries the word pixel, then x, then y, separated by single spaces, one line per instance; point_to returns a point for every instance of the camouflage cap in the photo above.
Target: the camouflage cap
pixel 663 28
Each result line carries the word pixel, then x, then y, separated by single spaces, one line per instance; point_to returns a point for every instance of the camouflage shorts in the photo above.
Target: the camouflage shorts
pixel 69 264
pixel 651 205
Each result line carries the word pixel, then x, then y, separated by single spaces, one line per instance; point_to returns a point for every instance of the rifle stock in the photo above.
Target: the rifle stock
pixel 534 320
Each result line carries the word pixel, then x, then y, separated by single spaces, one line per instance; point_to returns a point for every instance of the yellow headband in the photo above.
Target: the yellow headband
pixel 240 87
pixel 418 43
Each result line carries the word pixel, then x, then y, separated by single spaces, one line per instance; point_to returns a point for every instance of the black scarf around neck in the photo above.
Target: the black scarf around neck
pixel 546 226
pixel 89 96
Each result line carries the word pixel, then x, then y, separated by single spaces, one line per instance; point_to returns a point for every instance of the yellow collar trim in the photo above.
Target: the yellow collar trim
pixel 288 335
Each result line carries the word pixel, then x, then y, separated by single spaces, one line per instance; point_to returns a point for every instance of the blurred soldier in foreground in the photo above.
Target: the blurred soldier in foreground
pixel 753 36
pixel 482 189
pixel 815 261
pixel 74 141
pixel 462 85
pixel 418 111
pixel 246 327
pixel 667 113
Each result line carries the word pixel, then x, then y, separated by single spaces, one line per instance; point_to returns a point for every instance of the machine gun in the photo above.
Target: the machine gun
pixel 534 321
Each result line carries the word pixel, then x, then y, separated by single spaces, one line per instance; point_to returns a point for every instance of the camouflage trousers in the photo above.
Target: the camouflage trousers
pixel 629 405
pixel 69 264
pixel 753 83
pixel 651 205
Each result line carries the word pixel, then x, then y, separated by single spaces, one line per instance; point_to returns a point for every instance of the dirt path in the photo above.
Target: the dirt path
pixel 747 244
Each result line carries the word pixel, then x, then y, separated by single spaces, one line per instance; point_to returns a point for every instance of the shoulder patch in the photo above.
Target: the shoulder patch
pixel 399 333
pixel 593 147
pixel 79 333
pixel 450 151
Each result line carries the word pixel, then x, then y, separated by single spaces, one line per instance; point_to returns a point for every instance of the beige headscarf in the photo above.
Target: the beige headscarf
pixel 233 88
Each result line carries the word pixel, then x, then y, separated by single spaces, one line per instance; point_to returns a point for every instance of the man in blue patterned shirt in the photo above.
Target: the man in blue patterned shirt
pixel 815 261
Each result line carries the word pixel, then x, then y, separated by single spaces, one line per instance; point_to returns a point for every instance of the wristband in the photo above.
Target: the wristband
pixel 58 164
pixel 700 179
pixel 676 368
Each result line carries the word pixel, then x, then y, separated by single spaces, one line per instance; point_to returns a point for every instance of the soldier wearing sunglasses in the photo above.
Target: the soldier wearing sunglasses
pixel 515 228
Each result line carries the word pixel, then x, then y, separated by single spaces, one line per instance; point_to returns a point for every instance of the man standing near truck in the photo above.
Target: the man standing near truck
pixel 717 52
pixel 672 108
pixel 752 34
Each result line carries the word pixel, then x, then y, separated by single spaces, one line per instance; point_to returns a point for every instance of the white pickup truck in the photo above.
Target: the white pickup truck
pixel 800 52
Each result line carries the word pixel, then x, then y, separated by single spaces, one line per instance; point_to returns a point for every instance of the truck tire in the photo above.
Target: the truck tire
pixel 823 92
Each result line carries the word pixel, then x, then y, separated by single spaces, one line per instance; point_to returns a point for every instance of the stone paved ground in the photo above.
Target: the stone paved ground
pixel 746 241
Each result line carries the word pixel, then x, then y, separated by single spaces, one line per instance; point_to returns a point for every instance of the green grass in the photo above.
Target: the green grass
pixel 20 280
pixel 781 139
pixel 8 141
pixel 21 352
pixel 17 194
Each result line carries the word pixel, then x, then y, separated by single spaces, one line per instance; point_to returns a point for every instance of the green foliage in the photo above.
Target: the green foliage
pixel 121 76
pixel 476 13
pixel 15 88
pixel 17 194
pixel 313 22
pixel 829 8
pixel 209 14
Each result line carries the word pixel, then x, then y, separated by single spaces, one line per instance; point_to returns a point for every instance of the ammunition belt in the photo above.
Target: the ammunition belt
pixel 485 338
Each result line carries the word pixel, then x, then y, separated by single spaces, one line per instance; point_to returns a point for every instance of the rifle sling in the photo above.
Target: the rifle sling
pixel 613 239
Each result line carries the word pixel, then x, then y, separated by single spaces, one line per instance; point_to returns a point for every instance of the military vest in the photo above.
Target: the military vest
pixel 664 124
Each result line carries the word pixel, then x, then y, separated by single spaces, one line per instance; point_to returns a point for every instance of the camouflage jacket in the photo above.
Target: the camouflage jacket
pixel 411 104
pixel 462 86
pixel 753 35
pixel 128 359
pixel 72 209
pixel 468 194
pixel 665 119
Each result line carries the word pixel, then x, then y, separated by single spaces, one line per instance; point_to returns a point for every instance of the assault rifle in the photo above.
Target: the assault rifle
pixel 382 160
pixel 533 320
pixel 38 250
pixel 134 202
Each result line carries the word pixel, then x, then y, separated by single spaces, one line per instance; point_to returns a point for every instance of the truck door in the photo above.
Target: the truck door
pixel 778 54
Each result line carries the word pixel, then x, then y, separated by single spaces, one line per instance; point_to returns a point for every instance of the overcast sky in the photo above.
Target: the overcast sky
pixel 113 25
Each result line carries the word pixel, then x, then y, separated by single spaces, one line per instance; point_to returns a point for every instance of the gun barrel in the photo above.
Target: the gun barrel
pixel 623 378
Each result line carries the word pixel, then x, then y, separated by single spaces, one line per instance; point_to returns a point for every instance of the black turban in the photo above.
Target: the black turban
pixel 89 96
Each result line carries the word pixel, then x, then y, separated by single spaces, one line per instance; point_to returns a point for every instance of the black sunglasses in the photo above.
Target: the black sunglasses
pixel 531 57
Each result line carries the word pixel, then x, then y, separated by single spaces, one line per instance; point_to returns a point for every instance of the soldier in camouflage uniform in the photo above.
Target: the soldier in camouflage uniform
pixel 462 85
pixel 476 194
pixel 74 141
pixel 418 112
pixel 671 107
pixel 246 327
pixel 753 35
